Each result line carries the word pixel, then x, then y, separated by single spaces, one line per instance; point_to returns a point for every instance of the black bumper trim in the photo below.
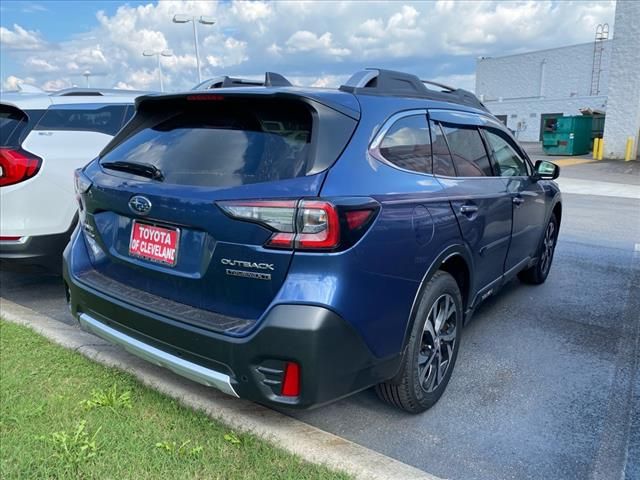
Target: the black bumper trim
pixel 334 360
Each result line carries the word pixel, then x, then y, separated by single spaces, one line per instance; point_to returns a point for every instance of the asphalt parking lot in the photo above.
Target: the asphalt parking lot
pixel 546 384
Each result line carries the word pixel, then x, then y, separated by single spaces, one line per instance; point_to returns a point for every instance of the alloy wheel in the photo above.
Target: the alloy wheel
pixel 438 342
pixel 548 244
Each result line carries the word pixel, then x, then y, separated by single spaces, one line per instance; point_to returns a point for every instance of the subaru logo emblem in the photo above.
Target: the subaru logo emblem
pixel 140 205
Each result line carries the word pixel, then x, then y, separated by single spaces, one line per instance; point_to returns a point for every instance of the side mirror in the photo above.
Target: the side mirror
pixel 546 170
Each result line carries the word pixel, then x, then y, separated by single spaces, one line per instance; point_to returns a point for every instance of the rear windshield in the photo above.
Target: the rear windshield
pixel 228 143
pixel 12 123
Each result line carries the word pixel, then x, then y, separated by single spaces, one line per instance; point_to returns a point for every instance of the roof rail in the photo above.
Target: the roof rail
pixel 375 81
pixel 271 79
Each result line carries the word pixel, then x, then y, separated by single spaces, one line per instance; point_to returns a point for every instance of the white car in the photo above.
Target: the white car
pixel 44 137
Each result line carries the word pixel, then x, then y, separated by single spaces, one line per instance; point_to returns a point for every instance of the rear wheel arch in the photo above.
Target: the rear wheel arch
pixel 557 211
pixel 455 260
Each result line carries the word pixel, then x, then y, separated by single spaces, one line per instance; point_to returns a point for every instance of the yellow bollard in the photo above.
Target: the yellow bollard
pixel 628 149
pixel 601 149
pixel 596 143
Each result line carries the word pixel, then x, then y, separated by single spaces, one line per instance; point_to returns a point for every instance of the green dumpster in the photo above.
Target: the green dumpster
pixel 567 135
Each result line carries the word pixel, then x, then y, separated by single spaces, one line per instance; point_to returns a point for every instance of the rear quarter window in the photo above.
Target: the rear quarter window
pixel 106 119
pixel 220 144
pixel 407 144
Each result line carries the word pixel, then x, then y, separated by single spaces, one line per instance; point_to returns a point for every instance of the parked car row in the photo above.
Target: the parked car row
pixel 295 245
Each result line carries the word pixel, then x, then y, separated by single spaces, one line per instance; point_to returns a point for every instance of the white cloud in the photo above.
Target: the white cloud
pixel 228 53
pixel 318 43
pixel 39 65
pixel 306 41
pixel 19 38
pixel 30 7
pixel 57 84
pixel 13 83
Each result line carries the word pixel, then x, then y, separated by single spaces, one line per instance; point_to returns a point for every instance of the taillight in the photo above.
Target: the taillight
pixel 17 165
pixel 305 224
pixel 318 226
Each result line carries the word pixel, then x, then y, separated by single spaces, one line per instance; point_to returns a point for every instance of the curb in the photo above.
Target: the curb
pixel 306 441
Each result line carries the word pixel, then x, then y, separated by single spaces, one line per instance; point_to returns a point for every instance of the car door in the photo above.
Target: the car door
pixel 528 196
pixel 479 199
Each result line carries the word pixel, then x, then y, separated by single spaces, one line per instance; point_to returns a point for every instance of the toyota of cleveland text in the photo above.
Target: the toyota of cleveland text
pixel 292 246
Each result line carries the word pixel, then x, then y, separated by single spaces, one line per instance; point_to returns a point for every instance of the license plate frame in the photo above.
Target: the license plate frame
pixel 135 253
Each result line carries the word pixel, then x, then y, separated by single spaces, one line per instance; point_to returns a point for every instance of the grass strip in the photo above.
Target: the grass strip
pixel 63 416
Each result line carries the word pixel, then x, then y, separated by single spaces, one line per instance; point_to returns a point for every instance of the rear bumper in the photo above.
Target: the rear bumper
pixel 334 360
pixel 40 249
pixel 195 372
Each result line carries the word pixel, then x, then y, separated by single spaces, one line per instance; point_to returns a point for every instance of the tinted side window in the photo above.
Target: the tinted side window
pixel 507 162
pixel 107 119
pixel 12 122
pixel 407 144
pixel 467 149
pixel 442 161
pixel 15 124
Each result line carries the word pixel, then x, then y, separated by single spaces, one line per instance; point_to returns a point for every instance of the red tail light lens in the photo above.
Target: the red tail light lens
pixel 357 218
pixel 17 166
pixel 291 381
pixel 318 226
pixel 303 225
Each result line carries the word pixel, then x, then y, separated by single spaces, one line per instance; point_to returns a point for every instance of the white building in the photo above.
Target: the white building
pixel 524 90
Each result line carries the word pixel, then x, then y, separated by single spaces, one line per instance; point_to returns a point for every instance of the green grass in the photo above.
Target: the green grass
pixel 63 416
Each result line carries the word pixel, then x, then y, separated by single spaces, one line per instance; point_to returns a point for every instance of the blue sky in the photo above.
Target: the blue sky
pixel 50 43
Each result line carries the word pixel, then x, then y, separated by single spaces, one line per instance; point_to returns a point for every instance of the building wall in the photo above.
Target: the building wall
pixel 623 112
pixel 523 116
pixel 563 72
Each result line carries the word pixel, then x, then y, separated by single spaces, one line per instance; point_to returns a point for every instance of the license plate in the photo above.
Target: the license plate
pixel 158 244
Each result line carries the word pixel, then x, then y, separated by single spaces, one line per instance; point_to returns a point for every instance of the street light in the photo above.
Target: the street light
pixel 204 20
pixel 163 53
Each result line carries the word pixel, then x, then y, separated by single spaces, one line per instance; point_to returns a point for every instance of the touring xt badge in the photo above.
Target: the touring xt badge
pixel 245 273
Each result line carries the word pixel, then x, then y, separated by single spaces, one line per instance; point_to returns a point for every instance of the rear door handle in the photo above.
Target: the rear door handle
pixel 517 201
pixel 468 209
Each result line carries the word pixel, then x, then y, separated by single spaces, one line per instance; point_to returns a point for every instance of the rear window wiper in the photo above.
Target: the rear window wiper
pixel 142 169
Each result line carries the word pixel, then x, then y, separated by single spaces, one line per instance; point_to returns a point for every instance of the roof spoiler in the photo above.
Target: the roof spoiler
pixel 374 81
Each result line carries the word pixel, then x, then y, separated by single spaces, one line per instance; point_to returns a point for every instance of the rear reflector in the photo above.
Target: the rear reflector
pixel 291 382
pixel 17 165
pixel 9 239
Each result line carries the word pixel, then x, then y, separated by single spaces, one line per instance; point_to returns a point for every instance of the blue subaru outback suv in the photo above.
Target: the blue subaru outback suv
pixel 296 245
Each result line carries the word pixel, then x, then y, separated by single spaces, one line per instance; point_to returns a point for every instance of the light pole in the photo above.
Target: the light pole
pixel 204 20
pixel 163 53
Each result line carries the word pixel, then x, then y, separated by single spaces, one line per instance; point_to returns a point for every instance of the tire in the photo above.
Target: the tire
pixel 538 273
pixel 419 384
